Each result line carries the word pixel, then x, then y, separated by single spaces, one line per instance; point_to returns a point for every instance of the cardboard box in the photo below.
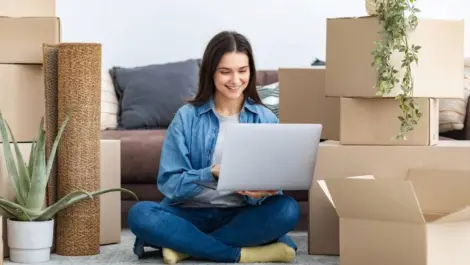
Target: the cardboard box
pixel 383 162
pixel 374 121
pixel 6 191
pixel 349 72
pixel 423 220
pixel 1 240
pixel 27 8
pixel 302 100
pixel 22 38
pixel 110 203
pixel 23 99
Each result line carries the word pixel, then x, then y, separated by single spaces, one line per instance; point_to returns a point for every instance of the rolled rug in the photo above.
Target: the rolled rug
pixel 78 167
pixel 50 69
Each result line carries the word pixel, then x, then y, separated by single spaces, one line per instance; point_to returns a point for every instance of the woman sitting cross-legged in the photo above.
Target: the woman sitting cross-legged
pixel 193 221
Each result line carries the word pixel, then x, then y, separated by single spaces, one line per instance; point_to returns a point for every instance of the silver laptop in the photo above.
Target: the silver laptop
pixel 268 157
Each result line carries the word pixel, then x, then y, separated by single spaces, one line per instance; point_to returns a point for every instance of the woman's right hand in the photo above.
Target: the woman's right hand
pixel 215 170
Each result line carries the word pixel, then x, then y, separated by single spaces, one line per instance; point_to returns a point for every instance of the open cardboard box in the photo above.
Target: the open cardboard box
pixel 422 220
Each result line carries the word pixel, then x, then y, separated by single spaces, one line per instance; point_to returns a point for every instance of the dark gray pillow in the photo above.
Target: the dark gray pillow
pixel 150 95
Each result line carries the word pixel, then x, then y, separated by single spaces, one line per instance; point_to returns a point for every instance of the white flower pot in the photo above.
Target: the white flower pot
pixel 30 242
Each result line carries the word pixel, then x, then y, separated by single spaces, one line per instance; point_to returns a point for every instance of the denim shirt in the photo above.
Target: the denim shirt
pixel 189 145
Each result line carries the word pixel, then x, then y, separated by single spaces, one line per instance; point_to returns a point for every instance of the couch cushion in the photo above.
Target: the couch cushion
pixel 150 95
pixel 140 154
pixel 145 192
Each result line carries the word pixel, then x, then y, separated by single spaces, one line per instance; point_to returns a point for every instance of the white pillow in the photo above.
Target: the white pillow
pixel 452 112
pixel 109 102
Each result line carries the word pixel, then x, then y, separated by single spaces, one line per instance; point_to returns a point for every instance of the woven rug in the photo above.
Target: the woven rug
pixel 122 254
pixel 78 167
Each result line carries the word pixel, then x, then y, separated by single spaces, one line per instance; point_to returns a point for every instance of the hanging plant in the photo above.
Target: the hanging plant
pixel 397 18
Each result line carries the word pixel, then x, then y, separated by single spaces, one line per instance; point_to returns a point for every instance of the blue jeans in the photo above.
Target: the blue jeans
pixel 215 234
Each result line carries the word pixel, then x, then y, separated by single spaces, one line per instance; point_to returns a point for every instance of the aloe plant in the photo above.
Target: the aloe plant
pixel 29 180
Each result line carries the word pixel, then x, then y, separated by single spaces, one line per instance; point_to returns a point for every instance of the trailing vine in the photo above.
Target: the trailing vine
pixel 396 19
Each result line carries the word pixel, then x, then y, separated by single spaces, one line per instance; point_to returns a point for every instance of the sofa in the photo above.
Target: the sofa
pixel 140 157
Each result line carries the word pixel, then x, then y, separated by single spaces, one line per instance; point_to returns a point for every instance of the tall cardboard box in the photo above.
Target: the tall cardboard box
pixel 302 100
pixel 27 8
pixel 350 41
pixel 23 99
pixel 366 121
pixel 23 37
pixel 110 203
pixel 6 191
pixel 423 220
pixel 336 161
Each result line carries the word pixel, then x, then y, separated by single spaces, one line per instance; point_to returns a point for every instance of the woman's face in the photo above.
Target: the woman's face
pixel 232 75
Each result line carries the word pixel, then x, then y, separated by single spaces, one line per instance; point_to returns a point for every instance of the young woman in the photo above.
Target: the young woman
pixel 192 221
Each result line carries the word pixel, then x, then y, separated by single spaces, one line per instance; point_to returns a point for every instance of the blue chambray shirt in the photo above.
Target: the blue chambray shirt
pixel 189 144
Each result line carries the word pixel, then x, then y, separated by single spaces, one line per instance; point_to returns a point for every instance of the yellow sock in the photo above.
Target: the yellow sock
pixel 171 257
pixel 276 252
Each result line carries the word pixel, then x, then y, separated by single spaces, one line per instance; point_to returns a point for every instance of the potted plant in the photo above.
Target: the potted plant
pixel 30 225
pixel 397 18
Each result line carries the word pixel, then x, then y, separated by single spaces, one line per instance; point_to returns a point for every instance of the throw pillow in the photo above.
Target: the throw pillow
pixel 452 112
pixel 149 96
pixel 269 95
pixel 109 102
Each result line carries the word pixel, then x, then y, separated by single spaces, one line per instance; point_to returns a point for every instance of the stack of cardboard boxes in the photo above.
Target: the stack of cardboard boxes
pixel 24 26
pixel 366 145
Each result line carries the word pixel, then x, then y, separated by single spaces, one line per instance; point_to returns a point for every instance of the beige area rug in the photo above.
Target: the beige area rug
pixel 122 254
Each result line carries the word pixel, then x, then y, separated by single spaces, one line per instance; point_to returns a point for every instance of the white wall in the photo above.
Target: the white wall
pixel 282 32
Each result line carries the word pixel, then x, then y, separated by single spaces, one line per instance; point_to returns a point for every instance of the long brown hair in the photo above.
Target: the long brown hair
pixel 222 43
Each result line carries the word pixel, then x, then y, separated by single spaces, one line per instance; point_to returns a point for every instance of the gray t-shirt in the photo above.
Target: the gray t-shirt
pixel 214 198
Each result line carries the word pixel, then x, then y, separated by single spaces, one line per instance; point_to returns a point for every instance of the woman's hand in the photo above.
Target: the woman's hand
pixel 215 170
pixel 258 194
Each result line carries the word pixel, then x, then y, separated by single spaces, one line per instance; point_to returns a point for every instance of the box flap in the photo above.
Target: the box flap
pixel 356 17
pixel 459 216
pixel 440 191
pixel 385 200
pixel 323 186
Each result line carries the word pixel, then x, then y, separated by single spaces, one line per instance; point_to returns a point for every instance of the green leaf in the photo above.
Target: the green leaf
pixel 37 193
pixel 32 154
pixel 21 213
pixel 23 174
pixel 50 162
pixel 74 198
pixel 61 204
pixel 10 163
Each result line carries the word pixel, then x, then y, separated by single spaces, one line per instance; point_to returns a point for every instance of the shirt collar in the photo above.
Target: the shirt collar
pixel 249 104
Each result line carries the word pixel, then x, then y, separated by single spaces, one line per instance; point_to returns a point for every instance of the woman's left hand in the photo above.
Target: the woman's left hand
pixel 258 194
